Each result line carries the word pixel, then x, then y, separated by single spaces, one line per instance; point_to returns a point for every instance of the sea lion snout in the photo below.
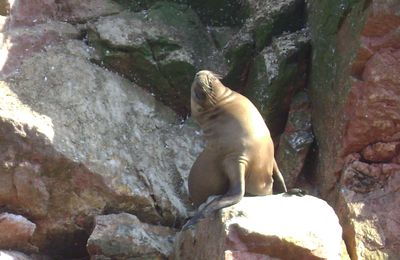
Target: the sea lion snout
pixel 204 79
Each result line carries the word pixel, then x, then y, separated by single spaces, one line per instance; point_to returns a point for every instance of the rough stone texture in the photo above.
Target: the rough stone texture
pixel 22 42
pixel 30 12
pixel 266 20
pixel 222 12
pixel 276 74
pixel 356 115
pixel 269 227
pixel 16 232
pixel 370 219
pixel 123 236
pixel 15 255
pixel 296 140
pixel 160 49
pixel 88 141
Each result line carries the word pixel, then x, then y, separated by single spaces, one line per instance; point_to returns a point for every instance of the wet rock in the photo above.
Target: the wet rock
pixel 123 236
pixel 160 49
pixel 78 140
pixel 296 140
pixel 16 232
pixel 273 226
pixel 278 71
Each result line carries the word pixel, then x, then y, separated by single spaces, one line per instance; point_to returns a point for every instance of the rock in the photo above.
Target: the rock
pixel 370 219
pixel 78 140
pixel 347 107
pixel 277 73
pixel 30 12
pixel 16 232
pixel 372 114
pixel 15 255
pixel 160 49
pixel 381 152
pixel 123 236
pixel 355 96
pixel 266 20
pixel 296 140
pixel 288 227
pixel 221 12
pixel 23 42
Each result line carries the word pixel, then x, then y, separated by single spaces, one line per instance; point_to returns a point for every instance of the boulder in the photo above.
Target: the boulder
pixel 16 232
pixel 78 140
pixel 160 49
pixel 269 227
pixel 124 236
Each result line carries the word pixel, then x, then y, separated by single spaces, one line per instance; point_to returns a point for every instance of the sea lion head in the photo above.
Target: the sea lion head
pixel 206 90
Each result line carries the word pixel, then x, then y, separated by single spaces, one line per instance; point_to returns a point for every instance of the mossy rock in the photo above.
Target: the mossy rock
pixel 221 12
pixel 136 5
pixel 160 49
pixel 277 72
pixel 268 19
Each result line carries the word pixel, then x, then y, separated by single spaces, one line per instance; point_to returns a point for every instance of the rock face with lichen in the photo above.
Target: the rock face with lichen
pixel 356 112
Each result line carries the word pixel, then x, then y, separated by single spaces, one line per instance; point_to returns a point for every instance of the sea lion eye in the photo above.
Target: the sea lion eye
pixel 199 93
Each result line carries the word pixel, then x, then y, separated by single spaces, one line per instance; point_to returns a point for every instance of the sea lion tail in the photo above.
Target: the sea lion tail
pixel 277 175
pixel 278 178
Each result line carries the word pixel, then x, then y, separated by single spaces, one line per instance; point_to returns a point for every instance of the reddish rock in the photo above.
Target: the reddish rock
pixel 16 232
pixel 370 220
pixel 373 108
pixel 381 152
pixel 124 236
pixel 31 191
pixel 358 160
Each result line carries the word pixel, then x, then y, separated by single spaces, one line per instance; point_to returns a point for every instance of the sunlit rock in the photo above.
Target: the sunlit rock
pixel 276 226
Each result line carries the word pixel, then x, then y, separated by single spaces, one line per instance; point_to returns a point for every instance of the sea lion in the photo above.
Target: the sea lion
pixel 239 153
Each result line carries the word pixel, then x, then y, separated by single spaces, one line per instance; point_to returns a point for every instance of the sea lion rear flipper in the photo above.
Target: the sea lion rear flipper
pixel 296 191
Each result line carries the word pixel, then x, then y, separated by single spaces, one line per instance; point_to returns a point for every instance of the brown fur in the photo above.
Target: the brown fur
pixel 239 153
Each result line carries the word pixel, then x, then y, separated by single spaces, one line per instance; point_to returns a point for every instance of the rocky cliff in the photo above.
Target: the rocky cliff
pixel 96 140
